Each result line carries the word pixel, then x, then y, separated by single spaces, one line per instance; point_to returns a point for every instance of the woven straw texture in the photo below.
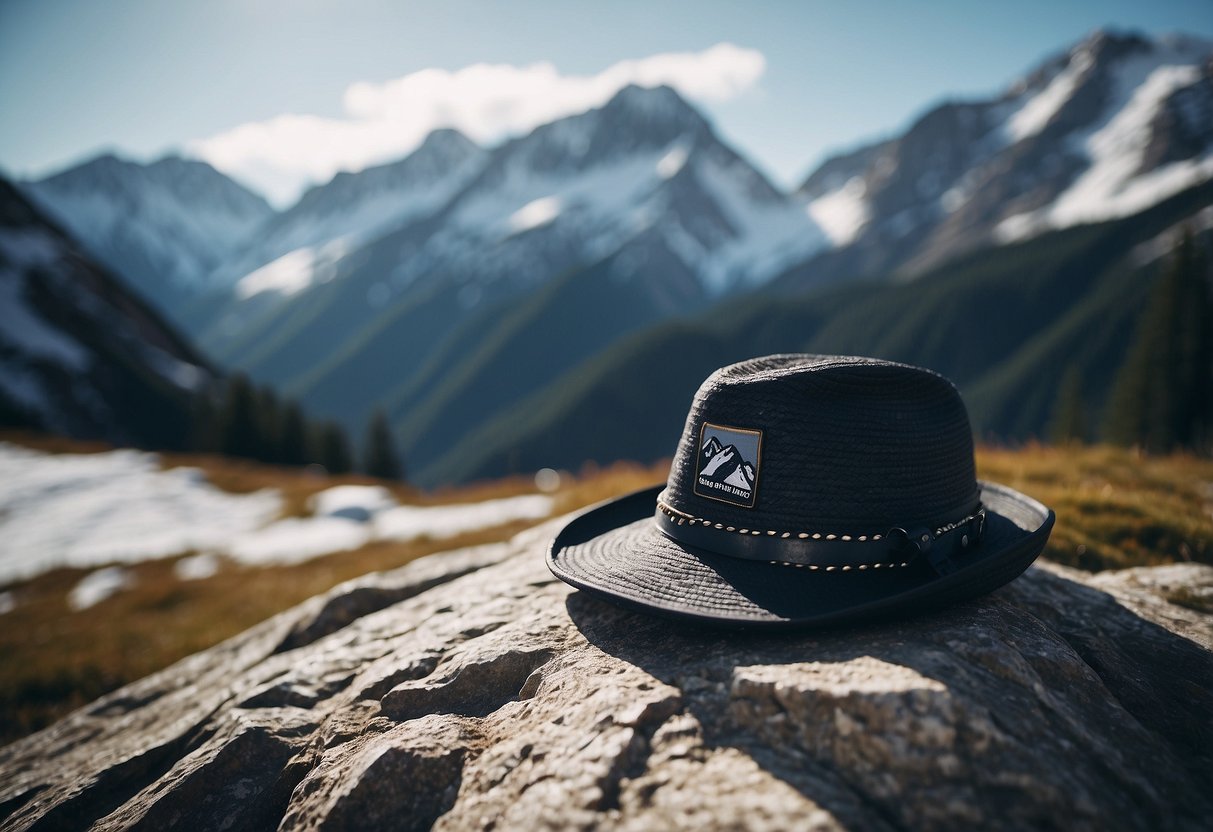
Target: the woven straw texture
pixel 849 445
pixel 617 552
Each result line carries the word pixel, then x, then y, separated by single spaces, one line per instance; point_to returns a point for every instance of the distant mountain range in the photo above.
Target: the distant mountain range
pixel 459 284
pixel 1107 129
pixel 79 353
pixel 1005 323
pixel 166 227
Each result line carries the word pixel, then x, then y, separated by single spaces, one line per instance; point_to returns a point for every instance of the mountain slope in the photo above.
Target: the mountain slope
pixel 1105 130
pixel 164 226
pixel 79 354
pixel 350 210
pixel 1004 323
pixel 644 178
pixel 527 343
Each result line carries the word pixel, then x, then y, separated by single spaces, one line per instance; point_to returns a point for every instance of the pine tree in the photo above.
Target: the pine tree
pixel 1069 423
pixel 332 448
pixel 1163 395
pixel 204 423
pixel 269 423
pixel 292 435
pixel 379 458
pixel 238 423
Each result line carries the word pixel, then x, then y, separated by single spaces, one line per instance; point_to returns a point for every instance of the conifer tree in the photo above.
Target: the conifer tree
pixel 268 425
pixel 1069 423
pixel 204 423
pixel 332 448
pixel 238 423
pixel 1163 395
pixel 379 458
pixel 292 435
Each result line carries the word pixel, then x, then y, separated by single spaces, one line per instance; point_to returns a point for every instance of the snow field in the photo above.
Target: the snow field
pixel 120 507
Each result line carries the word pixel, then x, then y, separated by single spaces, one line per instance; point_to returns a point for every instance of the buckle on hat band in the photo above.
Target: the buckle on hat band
pixel 830 552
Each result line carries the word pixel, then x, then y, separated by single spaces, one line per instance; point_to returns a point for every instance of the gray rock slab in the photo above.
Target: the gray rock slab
pixel 471 690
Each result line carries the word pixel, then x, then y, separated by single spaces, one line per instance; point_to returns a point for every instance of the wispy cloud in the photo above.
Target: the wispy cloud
pixel 383 121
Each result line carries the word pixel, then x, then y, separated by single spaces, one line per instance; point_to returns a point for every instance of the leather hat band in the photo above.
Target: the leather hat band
pixel 900 546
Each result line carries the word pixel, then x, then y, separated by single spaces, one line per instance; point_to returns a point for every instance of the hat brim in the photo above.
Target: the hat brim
pixel 615 551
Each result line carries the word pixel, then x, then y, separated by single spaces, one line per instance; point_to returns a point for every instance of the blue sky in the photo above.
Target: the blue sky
pixel 233 80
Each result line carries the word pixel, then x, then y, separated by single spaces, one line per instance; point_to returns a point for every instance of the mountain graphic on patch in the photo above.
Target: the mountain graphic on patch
pixel 727 469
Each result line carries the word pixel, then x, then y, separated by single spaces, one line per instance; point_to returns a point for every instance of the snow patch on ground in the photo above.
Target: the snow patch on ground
pixel 296 539
pixel 353 502
pixel 196 567
pixel 84 510
pixel 440 522
pixel 95 587
pixel 350 516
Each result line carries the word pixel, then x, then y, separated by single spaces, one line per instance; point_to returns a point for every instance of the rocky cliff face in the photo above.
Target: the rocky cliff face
pixel 472 690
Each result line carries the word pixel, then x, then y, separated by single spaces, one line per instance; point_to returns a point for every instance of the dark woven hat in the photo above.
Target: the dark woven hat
pixel 809 490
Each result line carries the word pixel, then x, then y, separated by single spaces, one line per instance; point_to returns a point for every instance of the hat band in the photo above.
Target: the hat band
pixel 898 547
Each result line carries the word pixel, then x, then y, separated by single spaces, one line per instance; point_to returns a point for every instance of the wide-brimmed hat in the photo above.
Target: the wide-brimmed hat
pixel 809 490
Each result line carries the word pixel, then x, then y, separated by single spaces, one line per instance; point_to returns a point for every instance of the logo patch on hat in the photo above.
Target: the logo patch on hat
pixel 727 469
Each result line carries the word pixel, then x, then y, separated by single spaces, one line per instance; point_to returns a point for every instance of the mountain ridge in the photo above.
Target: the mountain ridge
pixel 79 353
pixel 1022 314
pixel 164 226
pixel 642 199
pixel 1101 130
pixel 450 286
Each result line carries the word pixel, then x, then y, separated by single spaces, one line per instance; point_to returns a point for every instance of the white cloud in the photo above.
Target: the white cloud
pixel 384 121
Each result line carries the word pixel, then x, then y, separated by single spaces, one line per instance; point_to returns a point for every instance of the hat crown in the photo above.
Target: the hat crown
pixel 824 443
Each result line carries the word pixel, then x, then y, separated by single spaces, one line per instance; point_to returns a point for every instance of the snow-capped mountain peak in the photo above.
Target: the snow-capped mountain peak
pixel 351 210
pixel 163 226
pixel 574 190
pixel 1105 129
pixel 1144 85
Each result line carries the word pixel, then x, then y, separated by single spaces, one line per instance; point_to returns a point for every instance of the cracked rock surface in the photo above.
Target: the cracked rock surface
pixel 471 690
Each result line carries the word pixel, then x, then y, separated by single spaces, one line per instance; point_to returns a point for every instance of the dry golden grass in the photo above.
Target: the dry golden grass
pixel 54 659
pixel 1114 509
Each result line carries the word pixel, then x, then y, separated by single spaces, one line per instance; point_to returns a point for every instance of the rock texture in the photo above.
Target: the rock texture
pixel 473 691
